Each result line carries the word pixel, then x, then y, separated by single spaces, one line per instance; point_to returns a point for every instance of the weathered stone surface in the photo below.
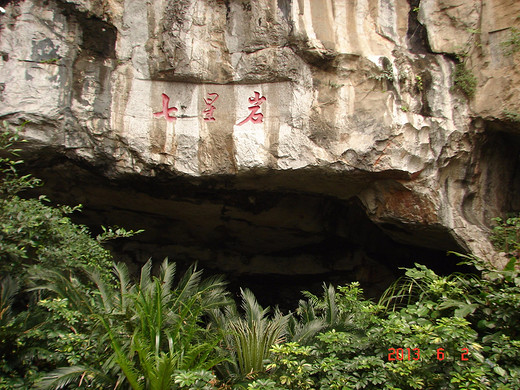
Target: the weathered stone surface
pixel 353 107
pixel 451 24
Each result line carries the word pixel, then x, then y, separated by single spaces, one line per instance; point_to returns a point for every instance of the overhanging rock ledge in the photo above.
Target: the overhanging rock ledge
pixel 217 106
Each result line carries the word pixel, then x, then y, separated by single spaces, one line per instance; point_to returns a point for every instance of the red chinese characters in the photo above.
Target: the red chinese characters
pixel 254 115
pixel 166 111
pixel 208 111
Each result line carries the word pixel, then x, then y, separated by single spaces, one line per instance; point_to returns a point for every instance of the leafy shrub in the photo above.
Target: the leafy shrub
pixel 40 331
pixel 149 332
pixel 506 235
pixel 465 80
pixel 437 322
pixel 33 232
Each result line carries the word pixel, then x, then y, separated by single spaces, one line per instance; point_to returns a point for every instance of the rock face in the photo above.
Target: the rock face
pixel 245 130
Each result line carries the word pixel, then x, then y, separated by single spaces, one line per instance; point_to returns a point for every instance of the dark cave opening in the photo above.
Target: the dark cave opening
pixel 276 243
pixel 499 161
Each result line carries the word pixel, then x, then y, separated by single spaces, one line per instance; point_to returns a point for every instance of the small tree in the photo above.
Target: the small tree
pixel 40 331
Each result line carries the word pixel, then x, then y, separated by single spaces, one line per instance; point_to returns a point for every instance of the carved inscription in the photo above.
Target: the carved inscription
pixel 166 111
pixel 208 112
pixel 254 115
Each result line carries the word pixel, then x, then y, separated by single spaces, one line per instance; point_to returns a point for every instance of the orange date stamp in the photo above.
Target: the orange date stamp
pixel 399 354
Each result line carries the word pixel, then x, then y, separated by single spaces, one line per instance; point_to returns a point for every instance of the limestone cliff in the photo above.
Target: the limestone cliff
pixel 244 120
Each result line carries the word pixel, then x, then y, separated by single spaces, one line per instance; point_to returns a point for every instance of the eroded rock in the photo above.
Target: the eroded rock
pixel 334 99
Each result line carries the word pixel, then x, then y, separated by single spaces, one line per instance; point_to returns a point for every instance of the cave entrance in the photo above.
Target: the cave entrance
pixel 277 243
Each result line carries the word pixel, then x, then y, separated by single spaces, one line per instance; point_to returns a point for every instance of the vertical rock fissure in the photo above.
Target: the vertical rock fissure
pixel 416 34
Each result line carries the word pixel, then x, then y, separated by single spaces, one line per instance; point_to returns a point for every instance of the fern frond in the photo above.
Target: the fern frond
pixel 166 275
pixel 61 377
pixel 126 287
pixel 331 309
pixel 189 283
pixel 253 312
pixel 106 292
pixel 146 275
pixel 302 333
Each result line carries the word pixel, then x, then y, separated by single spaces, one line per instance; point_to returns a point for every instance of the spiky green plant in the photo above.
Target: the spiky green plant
pixel 150 330
pixel 402 292
pixel 304 324
pixel 421 284
pixel 325 309
pixel 249 335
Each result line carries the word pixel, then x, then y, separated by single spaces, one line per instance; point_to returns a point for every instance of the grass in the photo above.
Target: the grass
pixel 512 44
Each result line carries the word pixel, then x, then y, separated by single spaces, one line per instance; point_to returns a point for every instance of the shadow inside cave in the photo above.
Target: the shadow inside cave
pixel 276 243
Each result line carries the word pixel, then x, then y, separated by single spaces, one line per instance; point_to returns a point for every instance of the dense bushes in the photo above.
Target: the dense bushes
pixel 37 334
pixel 147 335
pixel 70 318
pixel 424 344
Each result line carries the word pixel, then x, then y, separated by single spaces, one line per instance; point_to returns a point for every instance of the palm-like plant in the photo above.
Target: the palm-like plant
pixel 151 329
pixel 249 336
pixel 305 323
pixel 421 284
pixel 331 311
pixel 341 309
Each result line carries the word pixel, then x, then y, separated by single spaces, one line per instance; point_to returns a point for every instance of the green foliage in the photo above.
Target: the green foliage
pixel 419 82
pixel 114 232
pixel 437 319
pixel 11 183
pixel 151 331
pixel 340 357
pixel 341 309
pixel 387 74
pixel 513 116
pixel 506 235
pixel 452 313
pixel 192 380
pixel 263 384
pixel 38 330
pixel 421 284
pixel 335 85
pixel 512 44
pixel 53 61
pixel 292 360
pixel 465 80
pixel 32 232
pixel 474 30
pixel 248 335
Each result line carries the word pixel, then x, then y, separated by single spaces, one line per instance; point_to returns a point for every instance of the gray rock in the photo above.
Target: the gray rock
pixel 313 97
